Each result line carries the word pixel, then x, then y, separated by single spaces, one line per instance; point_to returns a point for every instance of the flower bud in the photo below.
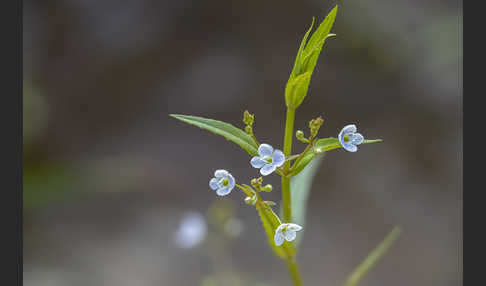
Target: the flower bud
pixel 300 136
pixel 314 126
pixel 257 183
pixel 267 188
pixel 248 118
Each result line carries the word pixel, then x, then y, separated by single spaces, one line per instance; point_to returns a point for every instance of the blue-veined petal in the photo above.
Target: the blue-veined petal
pixel 265 150
pixel 221 173
pixel 293 226
pixel 223 191
pixel 213 184
pixel 278 238
pixel 349 129
pixel 256 162
pixel 231 181
pixel 267 169
pixel 356 139
pixel 349 147
pixel 278 158
pixel 289 235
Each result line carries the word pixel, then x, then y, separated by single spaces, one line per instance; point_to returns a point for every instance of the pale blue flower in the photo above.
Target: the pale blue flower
pixel 223 182
pixel 286 231
pixel 191 231
pixel 268 159
pixel 349 139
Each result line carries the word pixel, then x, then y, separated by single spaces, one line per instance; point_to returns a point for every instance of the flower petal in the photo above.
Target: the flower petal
pixel 231 182
pixel 223 191
pixel 290 235
pixel 256 162
pixel 293 226
pixel 278 238
pixel 221 173
pixel 265 150
pixel 348 129
pixel 213 184
pixel 280 227
pixel 267 169
pixel 356 139
pixel 278 158
pixel 350 147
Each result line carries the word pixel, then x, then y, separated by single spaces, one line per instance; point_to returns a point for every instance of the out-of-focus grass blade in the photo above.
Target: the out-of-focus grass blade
pixel 373 257
pixel 300 187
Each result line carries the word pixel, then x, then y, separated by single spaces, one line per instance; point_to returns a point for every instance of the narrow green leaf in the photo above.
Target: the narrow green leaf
pixel 270 222
pixel 314 46
pixel 228 131
pixel 300 187
pixel 297 65
pixel 373 257
pixel 305 61
pixel 324 144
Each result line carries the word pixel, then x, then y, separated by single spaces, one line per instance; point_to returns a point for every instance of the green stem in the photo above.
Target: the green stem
pixel 294 272
pixel 286 198
pixel 301 155
pixel 287 149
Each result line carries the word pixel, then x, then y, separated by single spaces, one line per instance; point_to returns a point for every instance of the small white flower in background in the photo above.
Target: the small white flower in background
pixel 349 139
pixel 223 182
pixel 268 159
pixel 192 230
pixel 286 231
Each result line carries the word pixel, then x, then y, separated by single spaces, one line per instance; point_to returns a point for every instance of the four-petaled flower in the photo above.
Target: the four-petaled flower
pixel 286 231
pixel 349 139
pixel 268 159
pixel 223 182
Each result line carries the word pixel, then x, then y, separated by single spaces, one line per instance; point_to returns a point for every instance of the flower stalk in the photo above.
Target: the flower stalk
pixel 287 149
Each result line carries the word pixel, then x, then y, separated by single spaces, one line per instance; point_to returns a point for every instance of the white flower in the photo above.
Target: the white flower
pixel 192 230
pixel 349 139
pixel 268 159
pixel 286 231
pixel 222 182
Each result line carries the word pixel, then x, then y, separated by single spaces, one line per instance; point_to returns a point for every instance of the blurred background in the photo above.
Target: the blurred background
pixel 116 191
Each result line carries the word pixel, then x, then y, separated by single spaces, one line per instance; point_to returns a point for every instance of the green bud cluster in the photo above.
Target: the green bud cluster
pixel 248 118
pixel 257 184
pixel 314 126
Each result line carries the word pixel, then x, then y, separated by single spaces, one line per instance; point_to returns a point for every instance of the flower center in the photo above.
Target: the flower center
pixel 269 160
pixel 346 138
pixel 225 182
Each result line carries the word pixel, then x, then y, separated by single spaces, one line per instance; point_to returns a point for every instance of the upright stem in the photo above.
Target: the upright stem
pixel 287 149
pixel 294 272
pixel 286 198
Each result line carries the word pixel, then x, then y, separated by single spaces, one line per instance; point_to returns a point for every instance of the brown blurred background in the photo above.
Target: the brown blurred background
pixel 108 175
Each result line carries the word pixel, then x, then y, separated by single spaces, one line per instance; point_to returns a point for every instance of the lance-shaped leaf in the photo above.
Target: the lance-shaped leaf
pixel 317 40
pixel 270 222
pixel 228 131
pixel 300 187
pixel 297 70
pixel 321 146
pixel 306 59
